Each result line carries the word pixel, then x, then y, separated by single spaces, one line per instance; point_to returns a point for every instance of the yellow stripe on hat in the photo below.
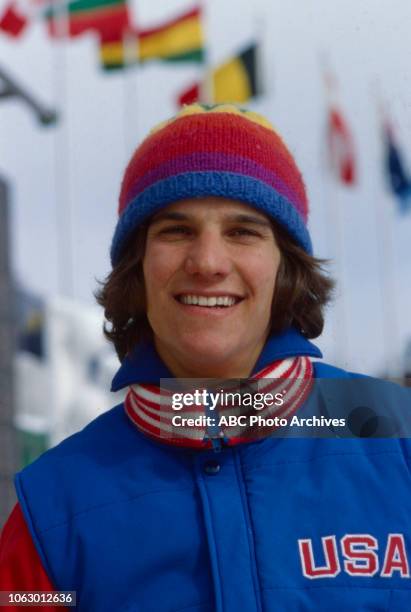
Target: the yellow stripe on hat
pixel 198 109
pixel 260 120
pixel 190 109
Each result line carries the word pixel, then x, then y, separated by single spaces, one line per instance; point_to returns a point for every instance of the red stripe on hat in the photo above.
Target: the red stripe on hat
pixel 212 133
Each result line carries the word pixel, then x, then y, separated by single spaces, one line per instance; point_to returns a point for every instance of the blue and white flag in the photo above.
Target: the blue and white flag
pixel 399 179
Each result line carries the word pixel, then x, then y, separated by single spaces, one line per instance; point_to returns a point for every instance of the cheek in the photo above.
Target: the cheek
pixel 267 293
pixel 158 269
pixel 263 272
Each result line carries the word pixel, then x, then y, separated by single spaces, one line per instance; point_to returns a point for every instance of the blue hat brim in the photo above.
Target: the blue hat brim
pixel 201 184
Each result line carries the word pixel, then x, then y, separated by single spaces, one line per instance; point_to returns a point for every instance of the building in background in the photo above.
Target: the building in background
pixel 63 371
pixel 407 364
pixel 55 373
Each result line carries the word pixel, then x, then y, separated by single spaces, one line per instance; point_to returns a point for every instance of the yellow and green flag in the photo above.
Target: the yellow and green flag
pixel 235 81
pixel 178 40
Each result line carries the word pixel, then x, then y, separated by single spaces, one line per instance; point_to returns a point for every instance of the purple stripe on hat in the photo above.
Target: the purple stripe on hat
pixel 215 162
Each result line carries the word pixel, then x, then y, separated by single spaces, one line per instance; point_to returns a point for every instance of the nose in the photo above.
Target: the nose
pixel 208 256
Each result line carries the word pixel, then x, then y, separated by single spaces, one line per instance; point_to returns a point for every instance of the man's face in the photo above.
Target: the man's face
pixel 210 268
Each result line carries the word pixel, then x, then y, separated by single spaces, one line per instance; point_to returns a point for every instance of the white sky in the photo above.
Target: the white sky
pixel 104 116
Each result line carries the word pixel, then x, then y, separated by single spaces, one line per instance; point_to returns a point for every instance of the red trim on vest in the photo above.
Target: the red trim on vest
pixel 21 568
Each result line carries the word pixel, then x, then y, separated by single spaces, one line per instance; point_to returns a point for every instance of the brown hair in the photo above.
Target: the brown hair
pixel 301 293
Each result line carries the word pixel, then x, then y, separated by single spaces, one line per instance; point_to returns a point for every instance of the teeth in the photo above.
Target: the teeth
pixel 201 300
pixel 212 301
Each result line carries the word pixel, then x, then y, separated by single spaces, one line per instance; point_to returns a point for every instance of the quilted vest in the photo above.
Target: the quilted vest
pixel 283 524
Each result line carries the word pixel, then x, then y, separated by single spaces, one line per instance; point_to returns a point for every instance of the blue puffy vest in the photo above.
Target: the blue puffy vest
pixel 280 525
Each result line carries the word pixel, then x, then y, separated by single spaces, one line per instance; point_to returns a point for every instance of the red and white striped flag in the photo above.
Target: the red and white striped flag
pixel 341 148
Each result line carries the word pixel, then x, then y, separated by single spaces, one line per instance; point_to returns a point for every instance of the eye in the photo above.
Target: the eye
pixel 242 231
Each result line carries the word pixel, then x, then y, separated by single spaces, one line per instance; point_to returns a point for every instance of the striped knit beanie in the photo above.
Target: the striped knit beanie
pixel 216 150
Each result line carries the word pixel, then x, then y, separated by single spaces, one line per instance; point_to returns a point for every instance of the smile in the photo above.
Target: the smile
pixel 212 301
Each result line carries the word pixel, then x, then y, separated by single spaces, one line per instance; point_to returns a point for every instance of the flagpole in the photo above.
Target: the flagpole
pixel 64 221
pixel 335 246
pixel 130 89
pixel 261 78
pixel 64 230
pixel 386 269
pixel 335 242
pixel 206 93
pixel 388 289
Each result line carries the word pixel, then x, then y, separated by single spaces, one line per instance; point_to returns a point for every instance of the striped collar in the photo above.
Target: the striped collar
pixel 204 425
pixel 144 365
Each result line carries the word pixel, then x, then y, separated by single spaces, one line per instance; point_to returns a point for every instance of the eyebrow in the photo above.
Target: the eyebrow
pixel 247 218
pixel 232 218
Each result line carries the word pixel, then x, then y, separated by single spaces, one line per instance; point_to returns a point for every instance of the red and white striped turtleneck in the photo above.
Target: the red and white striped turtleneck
pixel 150 407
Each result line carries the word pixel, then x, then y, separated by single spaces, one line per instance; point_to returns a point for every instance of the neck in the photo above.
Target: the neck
pixel 239 367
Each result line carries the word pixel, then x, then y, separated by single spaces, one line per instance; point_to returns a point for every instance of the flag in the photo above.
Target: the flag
pixel 235 81
pixel 109 18
pixel 119 51
pixel 30 328
pixel 12 22
pixel 175 41
pixel 180 39
pixel 31 336
pixel 341 148
pixel 18 13
pixel 398 178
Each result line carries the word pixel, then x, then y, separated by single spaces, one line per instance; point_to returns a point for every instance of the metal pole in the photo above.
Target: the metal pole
pixel 8 437
pixel 9 88
pixel 64 209
pixel 206 92
pixel 9 443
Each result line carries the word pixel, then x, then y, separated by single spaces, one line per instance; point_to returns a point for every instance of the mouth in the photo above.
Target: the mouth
pixel 209 302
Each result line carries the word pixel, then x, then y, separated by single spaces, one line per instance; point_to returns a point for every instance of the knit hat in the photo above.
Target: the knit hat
pixel 218 150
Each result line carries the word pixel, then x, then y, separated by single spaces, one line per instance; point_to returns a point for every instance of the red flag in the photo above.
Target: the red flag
pixel 109 18
pixel 12 22
pixel 190 95
pixel 341 148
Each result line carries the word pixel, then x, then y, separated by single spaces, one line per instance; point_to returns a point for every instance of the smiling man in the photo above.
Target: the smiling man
pixel 213 277
pixel 209 269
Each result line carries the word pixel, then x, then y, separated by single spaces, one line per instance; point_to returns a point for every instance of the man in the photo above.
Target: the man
pixel 213 278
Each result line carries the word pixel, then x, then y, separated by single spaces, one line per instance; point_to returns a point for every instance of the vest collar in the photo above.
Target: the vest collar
pixel 143 364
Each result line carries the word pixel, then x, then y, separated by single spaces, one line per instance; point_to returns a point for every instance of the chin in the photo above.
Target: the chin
pixel 209 351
